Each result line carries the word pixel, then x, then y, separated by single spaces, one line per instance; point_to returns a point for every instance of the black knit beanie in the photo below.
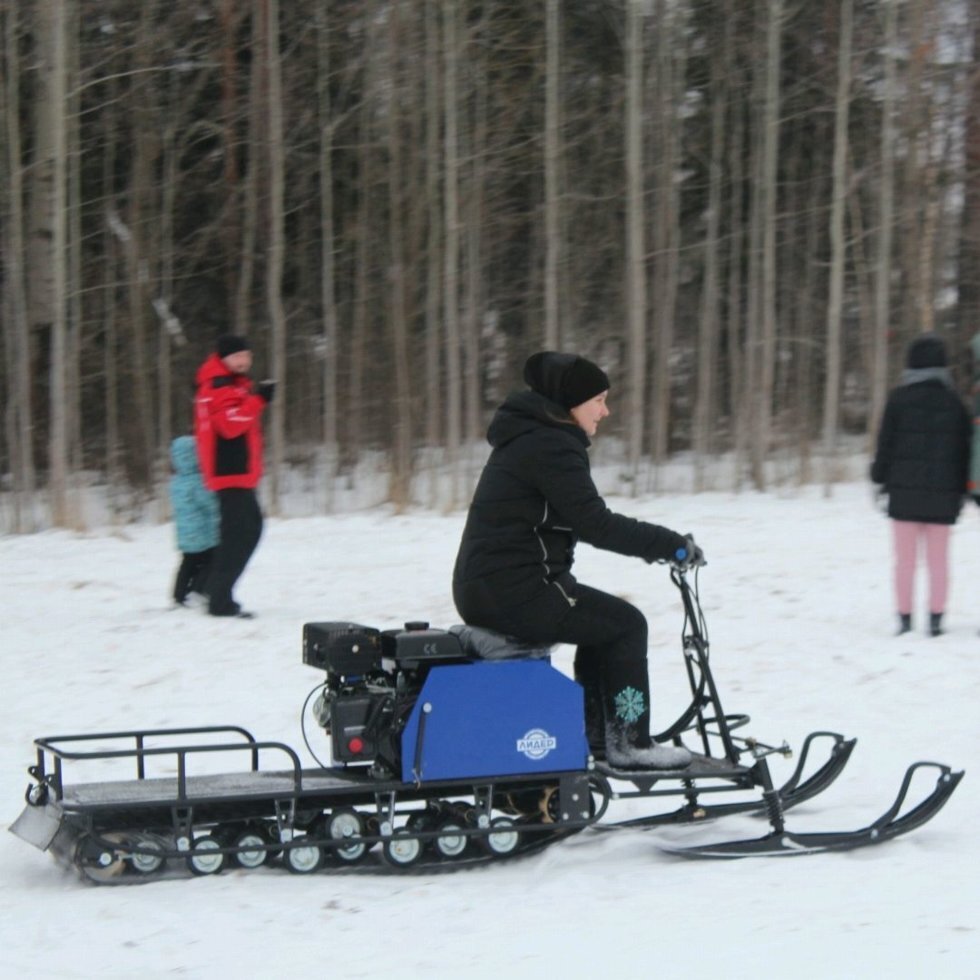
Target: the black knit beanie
pixel 566 379
pixel 230 344
pixel 927 351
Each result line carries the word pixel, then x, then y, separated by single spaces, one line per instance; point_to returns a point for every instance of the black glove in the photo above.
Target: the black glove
pixel 265 390
pixel 689 556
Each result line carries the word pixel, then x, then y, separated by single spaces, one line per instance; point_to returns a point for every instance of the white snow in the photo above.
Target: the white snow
pixel 798 599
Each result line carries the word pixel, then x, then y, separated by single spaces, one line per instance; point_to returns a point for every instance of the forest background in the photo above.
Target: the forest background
pixel 743 209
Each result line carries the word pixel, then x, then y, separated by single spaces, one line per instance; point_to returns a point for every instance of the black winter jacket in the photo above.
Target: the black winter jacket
pixel 923 452
pixel 535 499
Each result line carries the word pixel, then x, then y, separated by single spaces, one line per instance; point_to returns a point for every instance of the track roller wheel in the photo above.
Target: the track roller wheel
pixel 402 851
pixel 503 838
pixel 253 842
pixel 301 858
pixel 149 860
pixel 97 861
pixel 451 842
pixel 343 824
pixel 205 857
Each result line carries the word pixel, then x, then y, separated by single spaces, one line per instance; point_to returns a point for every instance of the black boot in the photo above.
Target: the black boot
pixel 935 624
pixel 904 623
pixel 595 724
pixel 622 752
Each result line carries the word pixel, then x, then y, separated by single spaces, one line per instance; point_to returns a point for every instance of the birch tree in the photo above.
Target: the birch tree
pixel 328 345
pixel 433 264
pixel 705 404
pixel 50 241
pixel 552 130
pixel 19 415
pixel 968 284
pixel 667 97
pixel 451 237
pixel 764 356
pixel 837 244
pixel 886 218
pixel 636 303
pixel 401 423
pixel 276 235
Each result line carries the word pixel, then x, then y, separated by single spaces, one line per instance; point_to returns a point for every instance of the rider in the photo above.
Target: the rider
pixel 535 499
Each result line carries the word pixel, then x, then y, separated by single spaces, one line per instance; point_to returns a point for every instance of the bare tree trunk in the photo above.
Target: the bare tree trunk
pixel 552 130
pixel 914 114
pixel 16 326
pixel 666 232
pixel 274 262
pixel 169 329
pixel 328 300
pixel 50 239
pixel 636 301
pixel 747 425
pixel 73 312
pixel 762 434
pixel 250 206
pixel 229 20
pixel 399 489
pixel 108 294
pixel 886 220
pixel 864 279
pixel 361 325
pixel 472 381
pixel 433 331
pixel 143 208
pixel 968 279
pixel 707 382
pixel 737 354
pixel 838 246
pixel 451 254
pixel 927 253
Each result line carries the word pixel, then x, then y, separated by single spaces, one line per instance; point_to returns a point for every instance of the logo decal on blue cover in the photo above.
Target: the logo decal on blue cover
pixel 536 743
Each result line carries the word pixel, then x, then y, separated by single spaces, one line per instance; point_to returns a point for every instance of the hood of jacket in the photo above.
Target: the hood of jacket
pixel 212 368
pixel 525 411
pixel 183 455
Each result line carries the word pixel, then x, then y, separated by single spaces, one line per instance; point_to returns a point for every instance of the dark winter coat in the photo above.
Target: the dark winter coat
pixel 923 449
pixel 534 501
pixel 195 508
pixel 227 425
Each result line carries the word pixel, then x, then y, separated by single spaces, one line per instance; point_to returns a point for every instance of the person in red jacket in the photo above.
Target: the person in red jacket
pixel 228 428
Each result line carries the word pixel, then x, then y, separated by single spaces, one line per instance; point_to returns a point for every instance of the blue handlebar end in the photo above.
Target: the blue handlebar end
pixel 680 554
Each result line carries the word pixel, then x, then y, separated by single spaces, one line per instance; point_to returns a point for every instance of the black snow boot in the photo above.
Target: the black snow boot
pixel 935 624
pixel 623 752
pixel 595 726
pixel 904 623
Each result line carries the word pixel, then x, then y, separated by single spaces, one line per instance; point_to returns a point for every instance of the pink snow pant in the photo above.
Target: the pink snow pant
pixel 936 536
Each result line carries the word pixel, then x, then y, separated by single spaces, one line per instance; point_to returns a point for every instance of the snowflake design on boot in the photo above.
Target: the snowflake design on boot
pixel 630 704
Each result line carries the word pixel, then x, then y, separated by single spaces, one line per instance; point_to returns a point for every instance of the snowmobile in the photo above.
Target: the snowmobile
pixel 448 748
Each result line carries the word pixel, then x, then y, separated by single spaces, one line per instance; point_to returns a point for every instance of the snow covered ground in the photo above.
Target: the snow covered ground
pixel 798 599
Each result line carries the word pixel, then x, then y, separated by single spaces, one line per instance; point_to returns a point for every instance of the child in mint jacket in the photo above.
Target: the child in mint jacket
pixel 196 520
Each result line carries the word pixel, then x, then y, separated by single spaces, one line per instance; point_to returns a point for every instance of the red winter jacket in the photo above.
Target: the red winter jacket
pixel 227 425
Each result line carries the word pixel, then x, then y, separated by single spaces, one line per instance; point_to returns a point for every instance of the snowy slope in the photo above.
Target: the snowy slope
pixel 797 595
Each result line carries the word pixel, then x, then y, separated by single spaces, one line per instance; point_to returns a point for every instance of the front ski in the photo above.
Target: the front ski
pixel 794 791
pixel 781 842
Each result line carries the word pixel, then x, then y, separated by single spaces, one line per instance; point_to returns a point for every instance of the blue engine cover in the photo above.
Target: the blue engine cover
pixel 494 719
